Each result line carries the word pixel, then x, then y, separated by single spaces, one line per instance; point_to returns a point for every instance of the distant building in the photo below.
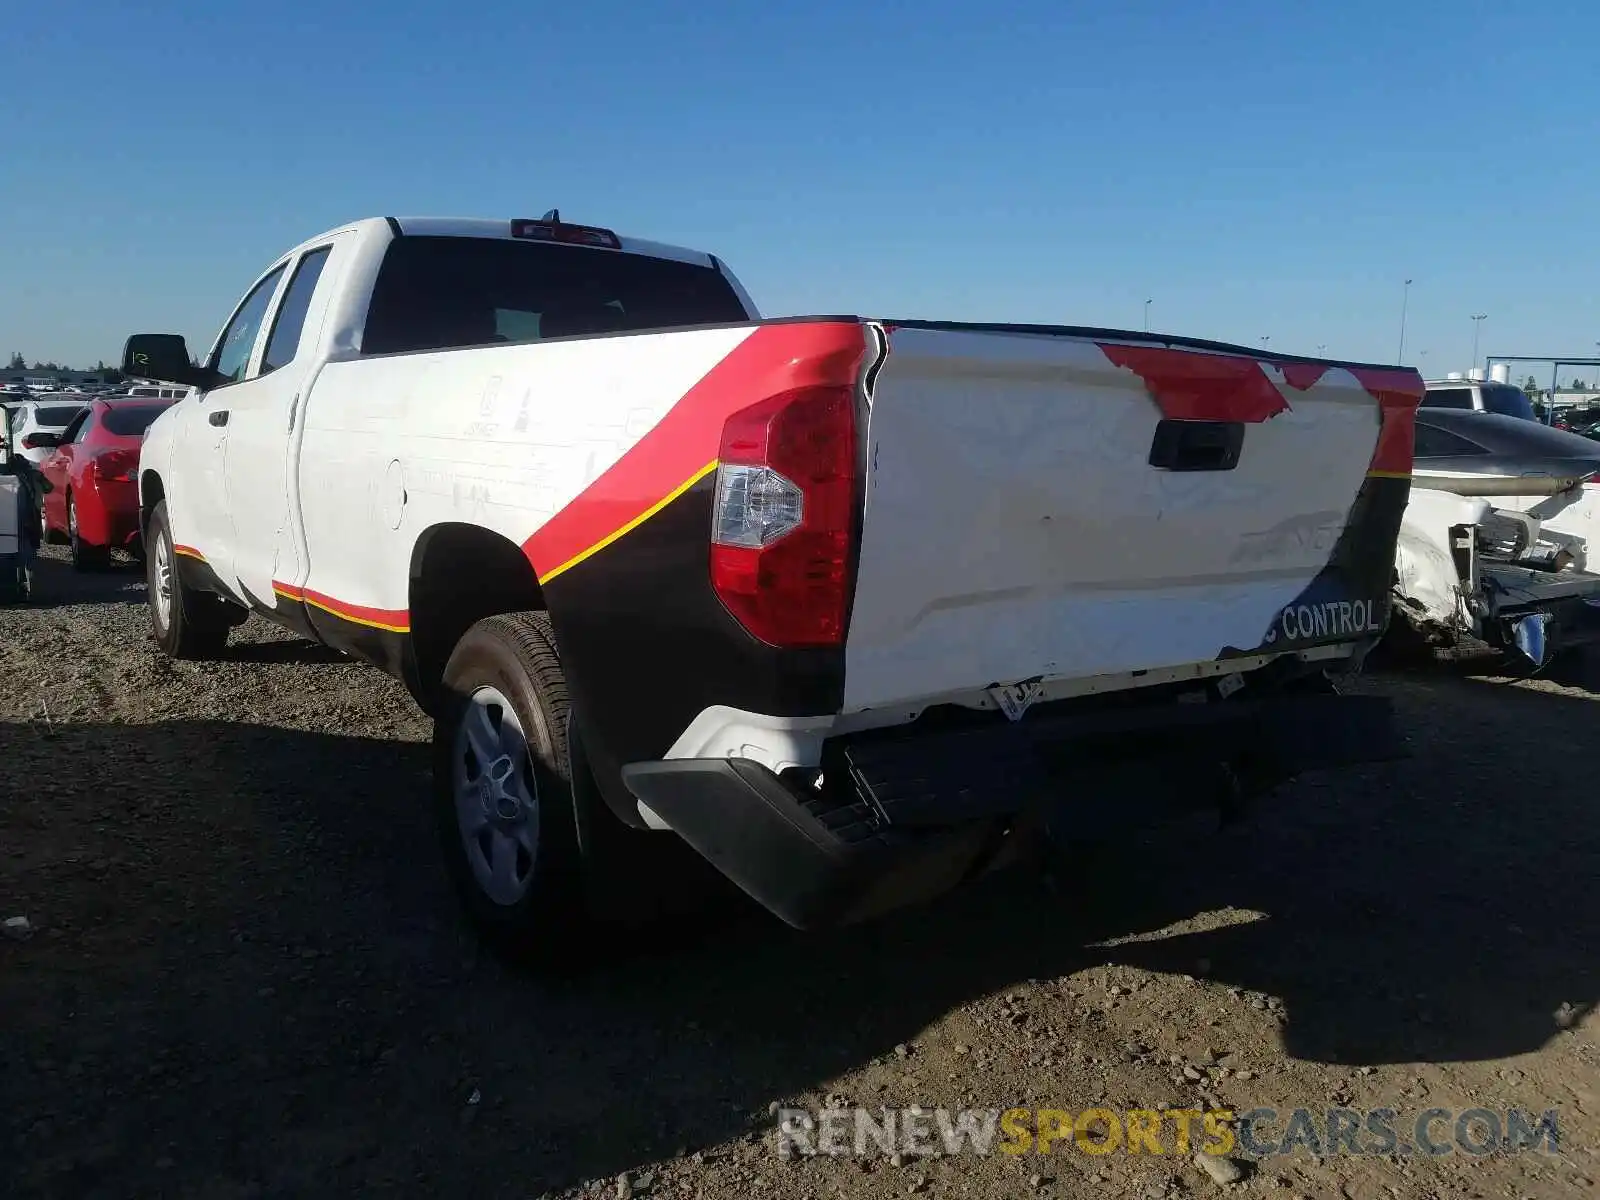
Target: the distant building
pixel 31 378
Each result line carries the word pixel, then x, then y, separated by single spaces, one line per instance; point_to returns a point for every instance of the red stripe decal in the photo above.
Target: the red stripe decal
pixel 1188 386
pixel 1302 377
pixel 1398 393
pixel 396 620
pixel 773 359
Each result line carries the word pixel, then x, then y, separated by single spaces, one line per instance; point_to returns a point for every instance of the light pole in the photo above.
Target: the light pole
pixel 1147 316
pixel 1322 349
pixel 1405 297
pixel 1477 324
pixel 1265 340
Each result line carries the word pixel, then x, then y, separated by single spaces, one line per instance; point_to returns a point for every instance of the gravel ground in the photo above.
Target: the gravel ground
pixel 245 976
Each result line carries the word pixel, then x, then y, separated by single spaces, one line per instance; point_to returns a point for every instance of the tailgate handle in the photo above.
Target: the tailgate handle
pixel 1197 445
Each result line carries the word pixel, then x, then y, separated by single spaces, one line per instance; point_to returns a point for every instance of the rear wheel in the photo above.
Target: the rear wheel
pixel 84 556
pixel 187 622
pixel 502 780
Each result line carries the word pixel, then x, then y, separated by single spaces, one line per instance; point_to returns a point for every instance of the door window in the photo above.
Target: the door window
pixel 284 340
pixel 1460 397
pixel 232 355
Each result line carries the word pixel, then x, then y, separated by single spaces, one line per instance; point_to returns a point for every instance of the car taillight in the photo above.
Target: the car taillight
pixel 28 443
pixel 784 516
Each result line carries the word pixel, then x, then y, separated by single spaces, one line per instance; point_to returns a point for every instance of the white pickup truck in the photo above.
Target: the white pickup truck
pixel 852 607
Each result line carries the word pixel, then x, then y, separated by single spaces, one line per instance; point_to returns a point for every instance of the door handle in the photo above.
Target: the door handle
pixel 1197 445
pixel 218 416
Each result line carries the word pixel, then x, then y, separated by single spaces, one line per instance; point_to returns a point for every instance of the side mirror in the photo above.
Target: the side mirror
pixel 165 357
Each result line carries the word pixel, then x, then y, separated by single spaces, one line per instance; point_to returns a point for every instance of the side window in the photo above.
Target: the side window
pixel 232 355
pixel 73 430
pixel 1447 398
pixel 291 319
pixel 1438 443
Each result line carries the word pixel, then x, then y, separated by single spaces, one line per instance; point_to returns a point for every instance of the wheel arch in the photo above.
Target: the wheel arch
pixel 152 491
pixel 459 574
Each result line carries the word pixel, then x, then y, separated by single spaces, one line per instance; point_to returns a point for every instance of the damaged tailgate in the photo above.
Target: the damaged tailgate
pixel 1044 504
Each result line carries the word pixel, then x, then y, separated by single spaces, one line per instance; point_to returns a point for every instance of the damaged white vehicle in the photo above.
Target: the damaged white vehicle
pixel 1500 540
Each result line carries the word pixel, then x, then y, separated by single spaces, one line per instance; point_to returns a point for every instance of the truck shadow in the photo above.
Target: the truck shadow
pixel 305 982
pixel 57 585
pixel 284 649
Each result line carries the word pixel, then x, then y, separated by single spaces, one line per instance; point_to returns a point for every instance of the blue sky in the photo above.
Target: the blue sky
pixel 1258 169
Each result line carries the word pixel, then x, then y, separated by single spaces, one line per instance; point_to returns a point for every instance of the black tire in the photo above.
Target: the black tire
pixel 538 916
pixel 16 584
pixel 84 556
pixel 48 536
pixel 187 623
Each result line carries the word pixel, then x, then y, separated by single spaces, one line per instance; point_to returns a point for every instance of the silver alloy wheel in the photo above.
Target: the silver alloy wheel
pixel 497 797
pixel 72 524
pixel 161 581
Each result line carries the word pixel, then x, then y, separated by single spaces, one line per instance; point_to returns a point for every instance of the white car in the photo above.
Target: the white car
pixel 35 417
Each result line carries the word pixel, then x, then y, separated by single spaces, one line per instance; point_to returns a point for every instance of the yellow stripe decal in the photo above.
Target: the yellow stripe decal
pixel 636 522
pixel 344 616
pixel 1388 474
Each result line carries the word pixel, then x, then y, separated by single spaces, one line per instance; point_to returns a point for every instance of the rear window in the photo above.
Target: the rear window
pixel 128 420
pixel 1507 401
pixel 437 292
pixel 1447 398
pixel 56 414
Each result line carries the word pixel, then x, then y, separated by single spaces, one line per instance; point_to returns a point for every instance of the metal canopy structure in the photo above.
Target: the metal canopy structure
pixel 1556 363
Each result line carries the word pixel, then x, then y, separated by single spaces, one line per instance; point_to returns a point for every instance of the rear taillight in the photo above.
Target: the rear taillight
pixel 784 516
pixel 28 443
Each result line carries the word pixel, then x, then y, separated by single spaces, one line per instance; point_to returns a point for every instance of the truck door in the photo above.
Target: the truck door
pixel 198 506
pixel 264 421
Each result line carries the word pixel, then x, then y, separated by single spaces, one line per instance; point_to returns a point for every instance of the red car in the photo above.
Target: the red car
pixel 94 504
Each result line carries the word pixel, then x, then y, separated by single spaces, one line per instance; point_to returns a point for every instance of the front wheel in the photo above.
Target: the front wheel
pixel 187 622
pixel 502 781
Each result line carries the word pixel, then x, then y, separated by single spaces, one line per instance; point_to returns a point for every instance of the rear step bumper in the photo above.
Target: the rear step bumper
pixel 924 811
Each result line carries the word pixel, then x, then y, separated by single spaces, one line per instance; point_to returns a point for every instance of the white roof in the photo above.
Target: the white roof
pixel 484 227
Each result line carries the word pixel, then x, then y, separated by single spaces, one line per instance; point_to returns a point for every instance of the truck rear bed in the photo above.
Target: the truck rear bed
pixel 1143 553
pixel 1046 506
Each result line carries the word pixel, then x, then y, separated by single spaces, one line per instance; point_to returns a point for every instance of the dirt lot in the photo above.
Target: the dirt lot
pixel 246 976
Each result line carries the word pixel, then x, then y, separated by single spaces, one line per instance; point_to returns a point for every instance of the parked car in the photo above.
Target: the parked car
pixel 1501 536
pixel 148 391
pixel 1479 396
pixel 93 471
pixel 835 601
pixel 38 424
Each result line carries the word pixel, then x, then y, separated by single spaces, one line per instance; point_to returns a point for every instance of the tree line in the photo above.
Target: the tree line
pixel 20 363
